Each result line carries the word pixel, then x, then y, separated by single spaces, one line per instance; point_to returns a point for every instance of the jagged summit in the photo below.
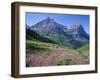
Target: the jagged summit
pixel 49 19
pixel 78 32
pixel 75 26
pixel 48 25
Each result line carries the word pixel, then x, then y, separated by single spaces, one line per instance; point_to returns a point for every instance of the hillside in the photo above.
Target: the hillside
pixel 32 35
pixel 48 54
pixel 42 52
pixel 84 51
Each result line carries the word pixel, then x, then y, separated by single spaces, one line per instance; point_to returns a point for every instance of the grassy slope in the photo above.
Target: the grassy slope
pixel 35 41
pixel 66 41
pixel 49 54
pixel 43 52
pixel 38 45
pixel 84 51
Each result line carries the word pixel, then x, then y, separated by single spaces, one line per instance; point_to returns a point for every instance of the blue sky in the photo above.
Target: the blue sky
pixel 64 19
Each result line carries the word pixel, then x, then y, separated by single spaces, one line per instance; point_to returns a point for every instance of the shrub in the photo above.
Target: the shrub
pixel 65 61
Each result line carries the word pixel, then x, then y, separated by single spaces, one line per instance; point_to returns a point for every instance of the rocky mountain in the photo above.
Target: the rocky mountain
pixel 47 27
pixel 77 32
pixel 52 30
pixel 73 37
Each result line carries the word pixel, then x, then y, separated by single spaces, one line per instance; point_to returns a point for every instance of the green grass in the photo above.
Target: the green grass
pixel 84 51
pixel 38 45
pixel 35 45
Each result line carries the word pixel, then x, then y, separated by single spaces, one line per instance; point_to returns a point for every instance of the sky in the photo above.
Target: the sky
pixel 32 18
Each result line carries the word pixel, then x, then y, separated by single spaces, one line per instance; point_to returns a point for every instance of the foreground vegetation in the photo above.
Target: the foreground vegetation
pixel 41 51
pixel 49 54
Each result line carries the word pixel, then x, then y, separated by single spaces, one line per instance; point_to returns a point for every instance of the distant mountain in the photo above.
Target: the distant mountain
pixel 77 32
pixel 58 33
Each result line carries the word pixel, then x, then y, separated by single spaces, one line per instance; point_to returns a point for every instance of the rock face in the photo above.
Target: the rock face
pixel 72 37
pixel 78 33
pixel 47 27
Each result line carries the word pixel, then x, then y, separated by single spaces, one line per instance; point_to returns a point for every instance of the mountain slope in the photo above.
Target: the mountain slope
pixel 32 35
pixel 50 29
pixel 54 31
pixel 84 51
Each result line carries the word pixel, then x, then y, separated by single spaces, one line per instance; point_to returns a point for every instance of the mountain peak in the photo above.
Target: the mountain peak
pixel 48 26
pixel 76 28
pixel 78 32
pixel 50 19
